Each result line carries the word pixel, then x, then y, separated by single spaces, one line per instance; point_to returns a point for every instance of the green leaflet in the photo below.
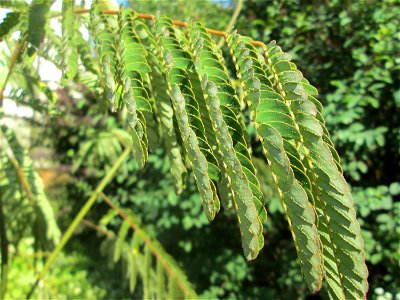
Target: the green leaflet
pixel 223 186
pixel 96 28
pixel 109 88
pixel 38 11
pixel 175 273
pixel 249 223
pixel 300 213
pixel 123 232
pixel 135 125
pixel 129 62
pixel 160 281
pixel 69 41
pixel 197 158
pixel 278 133
pixel 85 53
pixel 346 272
pixel 11 20
pixel 137 69
pixel 210 66
pixel 146 273
pixel 173 290
pixel 164 110
pixel 287 71
pixel 336 205
pixel 107 218
pixel 185 101
pixel 133 265
pixel 166 113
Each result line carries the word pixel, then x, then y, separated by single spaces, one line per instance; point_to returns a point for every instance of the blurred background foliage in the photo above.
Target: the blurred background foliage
pixel 348 49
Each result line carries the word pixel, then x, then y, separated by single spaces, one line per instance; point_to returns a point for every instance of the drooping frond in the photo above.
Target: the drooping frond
pixel 276 129
pixel 142 256
pixel 69 41
pixel 339 229
pixel 37 23
pixel 240 169
pixel 9 23
pixel 164 111
pixel 186 107
pixel 198 133
pixel 282 100
pixel 123 58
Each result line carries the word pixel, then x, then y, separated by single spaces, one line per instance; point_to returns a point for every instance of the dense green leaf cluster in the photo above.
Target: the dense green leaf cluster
pixel 207 111
pixel 172 86
pixel 352 58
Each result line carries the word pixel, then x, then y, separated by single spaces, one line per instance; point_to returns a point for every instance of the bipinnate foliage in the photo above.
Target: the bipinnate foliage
pixel 143 257
pixel 173 84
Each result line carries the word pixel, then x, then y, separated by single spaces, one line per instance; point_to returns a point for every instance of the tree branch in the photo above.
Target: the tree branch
pixel 175 22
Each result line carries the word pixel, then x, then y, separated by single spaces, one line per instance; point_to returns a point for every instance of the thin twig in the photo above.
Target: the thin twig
pixel 97 228
pixel 175 22
pixel 13 60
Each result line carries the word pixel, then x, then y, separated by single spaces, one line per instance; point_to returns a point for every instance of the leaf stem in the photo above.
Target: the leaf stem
pixel 13 60
pixel 96 227
pixel 175 22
